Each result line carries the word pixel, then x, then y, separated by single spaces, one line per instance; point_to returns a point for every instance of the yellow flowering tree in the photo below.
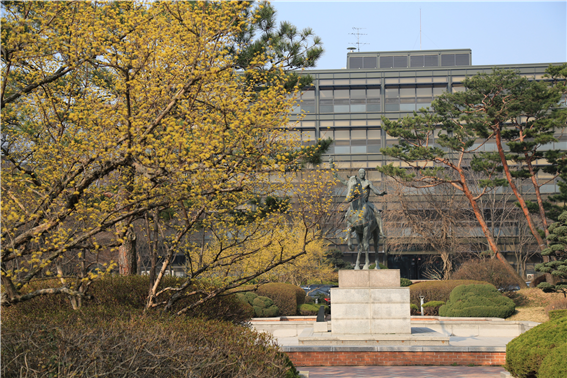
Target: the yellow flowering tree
pixel 112 110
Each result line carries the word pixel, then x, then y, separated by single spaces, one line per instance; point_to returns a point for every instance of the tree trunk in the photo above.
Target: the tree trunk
pixel 447 264
pixel 488 235
pixel 498 138
pixel 154 249
pixel 127 256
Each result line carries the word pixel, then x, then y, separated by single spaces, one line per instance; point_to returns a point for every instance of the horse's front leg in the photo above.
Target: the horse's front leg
pixel 349 238
pixel 365 244
pixel 358 239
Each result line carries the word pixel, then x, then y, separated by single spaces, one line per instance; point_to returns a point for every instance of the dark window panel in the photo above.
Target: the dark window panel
pixel 447 60
pixel 400 61
pixel 386 62
pixel 369 62
pixel 431 60
pixel 356 62
pixel 416 61
pixel 462 59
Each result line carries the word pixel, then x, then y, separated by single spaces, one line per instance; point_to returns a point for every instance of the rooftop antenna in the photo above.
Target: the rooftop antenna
pixel 420 28
pixel 358 34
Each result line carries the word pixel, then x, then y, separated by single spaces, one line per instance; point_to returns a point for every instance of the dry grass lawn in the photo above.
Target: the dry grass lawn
pixel 531 303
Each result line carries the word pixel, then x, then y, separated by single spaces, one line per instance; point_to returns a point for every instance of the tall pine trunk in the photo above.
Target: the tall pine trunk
pixel 490 239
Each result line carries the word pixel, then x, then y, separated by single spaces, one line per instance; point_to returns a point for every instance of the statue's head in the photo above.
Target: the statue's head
pixel 361 173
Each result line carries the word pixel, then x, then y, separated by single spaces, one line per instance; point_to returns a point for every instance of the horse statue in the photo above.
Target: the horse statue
pixel 361 219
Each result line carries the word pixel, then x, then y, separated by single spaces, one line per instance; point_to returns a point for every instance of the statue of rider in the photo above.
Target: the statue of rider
pixel 366 188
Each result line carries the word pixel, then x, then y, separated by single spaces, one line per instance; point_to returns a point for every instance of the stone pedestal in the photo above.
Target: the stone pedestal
pixel 370 308
pixel 370 302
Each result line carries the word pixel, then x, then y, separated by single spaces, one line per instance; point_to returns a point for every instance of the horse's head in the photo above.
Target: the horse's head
pixel 354 189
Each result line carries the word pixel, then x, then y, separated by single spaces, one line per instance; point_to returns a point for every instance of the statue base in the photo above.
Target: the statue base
pixel 370 308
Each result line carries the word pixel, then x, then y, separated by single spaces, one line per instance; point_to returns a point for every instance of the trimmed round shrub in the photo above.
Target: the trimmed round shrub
pixel 436 290
pixel 432 308
pixel 250 296
pixel 263 302
pixel 554 365
pixel 492 271
pixel 477 301
pixel 263 306
pixel 286 297
pixel 556 314
pixel 525 354
pixel 405 282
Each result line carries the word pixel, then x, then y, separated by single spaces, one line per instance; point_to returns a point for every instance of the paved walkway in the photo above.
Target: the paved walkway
pixel 404 371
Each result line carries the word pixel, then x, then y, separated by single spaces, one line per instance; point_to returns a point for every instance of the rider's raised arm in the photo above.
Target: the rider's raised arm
pixel 335 174
pixel 376 191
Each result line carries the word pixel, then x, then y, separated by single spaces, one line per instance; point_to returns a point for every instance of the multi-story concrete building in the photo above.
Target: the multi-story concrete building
pixel 347 105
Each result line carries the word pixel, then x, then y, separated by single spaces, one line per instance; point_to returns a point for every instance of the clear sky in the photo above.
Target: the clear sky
pixel 503 32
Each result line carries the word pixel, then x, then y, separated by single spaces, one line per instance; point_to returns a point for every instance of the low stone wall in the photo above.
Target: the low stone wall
pixel 385 356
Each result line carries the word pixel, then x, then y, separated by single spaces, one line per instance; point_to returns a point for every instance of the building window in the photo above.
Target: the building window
pixel 410 98
pixel 349 100
pixel 353 141
pixel 308 101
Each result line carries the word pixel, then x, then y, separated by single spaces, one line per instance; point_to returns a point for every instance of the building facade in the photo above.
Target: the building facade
pixel 347 105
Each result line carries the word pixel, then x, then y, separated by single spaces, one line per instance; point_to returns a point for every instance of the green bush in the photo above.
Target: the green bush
pixel 311 309
pixel 414 310
pixel 263 302
pixel 556 314
pixel 404 282
pixel 477 301
pixel 285 296
pixel 436 290
pixel 554 365
pixel 431 308
pixel 263 307
pixel 525 354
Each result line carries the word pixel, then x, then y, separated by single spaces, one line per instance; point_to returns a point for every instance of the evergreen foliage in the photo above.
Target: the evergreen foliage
pixel 526 353
pixel 477 301
pixel 558 250
pixel 554 365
